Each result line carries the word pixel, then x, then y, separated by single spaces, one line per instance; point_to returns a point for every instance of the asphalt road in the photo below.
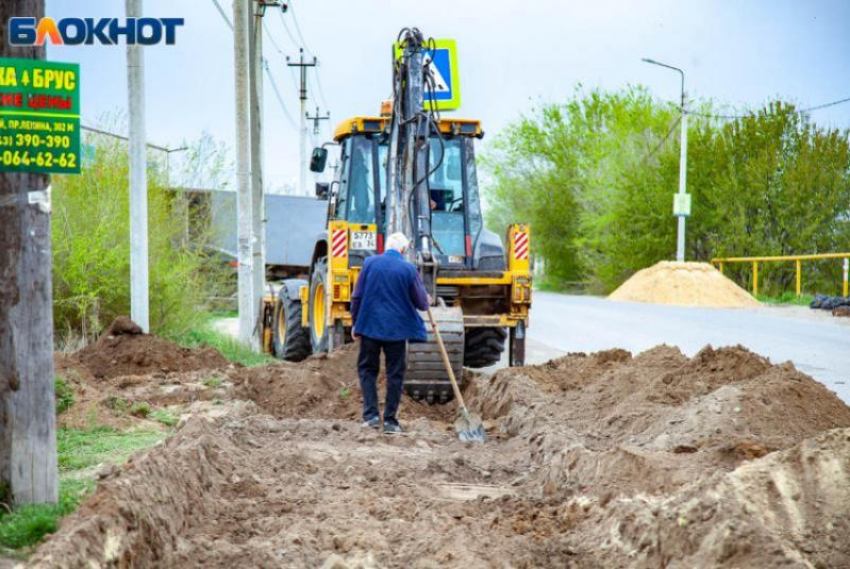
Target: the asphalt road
pixel 814 341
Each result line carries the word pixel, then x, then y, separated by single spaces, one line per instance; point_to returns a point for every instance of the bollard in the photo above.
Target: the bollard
pixel 755 278
pixel 799 277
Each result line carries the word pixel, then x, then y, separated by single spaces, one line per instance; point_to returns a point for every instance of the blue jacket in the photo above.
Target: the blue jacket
pixel 384 303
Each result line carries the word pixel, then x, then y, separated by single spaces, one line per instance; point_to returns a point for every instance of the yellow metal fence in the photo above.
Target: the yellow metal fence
pixel 797 259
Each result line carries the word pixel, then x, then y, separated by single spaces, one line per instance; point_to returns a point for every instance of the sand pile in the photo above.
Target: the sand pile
pixel 683 284
pixel 124 350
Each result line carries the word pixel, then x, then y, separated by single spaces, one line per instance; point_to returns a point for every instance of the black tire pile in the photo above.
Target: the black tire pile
pixel 824 302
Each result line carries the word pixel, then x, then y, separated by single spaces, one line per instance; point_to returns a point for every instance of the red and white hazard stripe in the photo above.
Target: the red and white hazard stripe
pixel 521 245
pixel 339 242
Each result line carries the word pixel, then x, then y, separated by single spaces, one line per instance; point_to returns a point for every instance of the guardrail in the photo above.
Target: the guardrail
pixel 798 259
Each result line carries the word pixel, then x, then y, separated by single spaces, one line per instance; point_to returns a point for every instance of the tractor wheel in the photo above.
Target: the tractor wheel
pixel 291 341
pixel 318 308
pixel 484 346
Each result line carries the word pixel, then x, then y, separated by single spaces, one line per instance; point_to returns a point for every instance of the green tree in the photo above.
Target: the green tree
pixel 595 177
pixel 91 245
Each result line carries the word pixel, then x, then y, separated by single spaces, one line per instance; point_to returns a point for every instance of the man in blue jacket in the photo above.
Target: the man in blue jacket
pixel 383 307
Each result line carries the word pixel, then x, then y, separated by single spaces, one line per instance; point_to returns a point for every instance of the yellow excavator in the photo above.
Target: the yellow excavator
pixel 413 171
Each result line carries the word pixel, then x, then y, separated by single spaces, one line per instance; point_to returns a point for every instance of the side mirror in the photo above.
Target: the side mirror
pixel 322 190
pixel 318 160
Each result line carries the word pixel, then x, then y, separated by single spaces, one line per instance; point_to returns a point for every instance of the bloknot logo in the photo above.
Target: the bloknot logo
pixel 89 31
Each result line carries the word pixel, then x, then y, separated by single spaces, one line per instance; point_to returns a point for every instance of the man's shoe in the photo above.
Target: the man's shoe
pixel 392 427
pixel 373 423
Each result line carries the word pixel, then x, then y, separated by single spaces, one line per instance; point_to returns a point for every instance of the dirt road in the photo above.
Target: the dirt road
pixel 606 460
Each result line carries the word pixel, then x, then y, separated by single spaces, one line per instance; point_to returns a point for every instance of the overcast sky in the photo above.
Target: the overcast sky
pixel 511 56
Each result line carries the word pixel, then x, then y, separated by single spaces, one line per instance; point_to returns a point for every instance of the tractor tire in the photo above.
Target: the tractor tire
pixel 290 340
pixel 319 330
pixel 484 346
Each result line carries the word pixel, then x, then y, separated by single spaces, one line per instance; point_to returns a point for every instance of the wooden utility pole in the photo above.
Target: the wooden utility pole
pixel 28 469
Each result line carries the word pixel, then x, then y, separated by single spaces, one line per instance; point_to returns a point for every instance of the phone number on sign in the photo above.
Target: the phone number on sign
pixel 36 140
pixel 40 159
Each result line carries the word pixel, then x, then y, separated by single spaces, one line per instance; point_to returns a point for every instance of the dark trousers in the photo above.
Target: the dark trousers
pixel 368 366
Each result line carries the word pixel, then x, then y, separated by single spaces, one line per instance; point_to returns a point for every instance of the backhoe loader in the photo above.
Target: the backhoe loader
pixel 410 170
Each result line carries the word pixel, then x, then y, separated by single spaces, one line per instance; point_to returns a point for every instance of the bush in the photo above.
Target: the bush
pixel 91 245
pixel 64 395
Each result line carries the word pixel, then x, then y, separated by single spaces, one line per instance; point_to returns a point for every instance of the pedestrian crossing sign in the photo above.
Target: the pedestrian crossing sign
pixel 440 59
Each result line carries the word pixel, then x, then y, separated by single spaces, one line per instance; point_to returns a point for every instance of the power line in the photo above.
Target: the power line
pixel 265 67
pixel 278 96
pixel 223 14
pixel 825 105
pixel 806 110
pixel 663 140
pixel 317 82
pixel 271 38
pixel 298 28
pixel 286 28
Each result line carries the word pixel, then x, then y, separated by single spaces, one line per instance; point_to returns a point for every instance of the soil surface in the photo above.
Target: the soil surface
pixel 124 350
pixel 683 284
pixel 600 460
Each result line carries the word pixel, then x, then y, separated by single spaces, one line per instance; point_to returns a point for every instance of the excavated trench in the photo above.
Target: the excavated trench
pixel 602 460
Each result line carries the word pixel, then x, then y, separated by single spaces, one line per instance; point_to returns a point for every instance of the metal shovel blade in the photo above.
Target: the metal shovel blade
pixel 470 428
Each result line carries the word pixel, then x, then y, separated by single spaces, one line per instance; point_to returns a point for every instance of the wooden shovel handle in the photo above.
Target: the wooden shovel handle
pixel 446 359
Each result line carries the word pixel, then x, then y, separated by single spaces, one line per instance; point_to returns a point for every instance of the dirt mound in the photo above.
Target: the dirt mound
pixel 683 284
pixel 600 460
pixel 652 423
pixel 789 510
pixel 323 386
pixel 248 490
pixel 124 350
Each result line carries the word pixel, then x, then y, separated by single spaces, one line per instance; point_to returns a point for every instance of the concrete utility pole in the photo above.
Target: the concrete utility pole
pixel 258 215
pixel 683 174
pixel 683 162
pixel 244 206
pixel 302 180
pixel 316 119
pixel 28 468
pixel 139 279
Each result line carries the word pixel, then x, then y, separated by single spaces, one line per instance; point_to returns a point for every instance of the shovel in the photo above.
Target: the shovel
pixel 468 426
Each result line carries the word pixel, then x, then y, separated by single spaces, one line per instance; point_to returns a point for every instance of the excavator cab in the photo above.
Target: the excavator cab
pixel 455 205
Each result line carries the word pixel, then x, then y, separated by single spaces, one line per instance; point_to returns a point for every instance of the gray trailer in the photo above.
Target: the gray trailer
pixel 292 225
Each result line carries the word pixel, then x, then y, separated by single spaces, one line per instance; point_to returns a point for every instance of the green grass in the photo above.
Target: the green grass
pixel 64 395
pixel 786 298
pixel 230 348
pixel 225 314
pixel 80 449
pixel 213 382
pixel 140 409
pixel 27 525
pixel 166 417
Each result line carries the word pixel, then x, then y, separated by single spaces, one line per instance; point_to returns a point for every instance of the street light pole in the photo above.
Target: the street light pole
pixel 683 162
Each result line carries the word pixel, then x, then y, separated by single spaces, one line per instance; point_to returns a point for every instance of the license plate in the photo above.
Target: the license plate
pixel 363 240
